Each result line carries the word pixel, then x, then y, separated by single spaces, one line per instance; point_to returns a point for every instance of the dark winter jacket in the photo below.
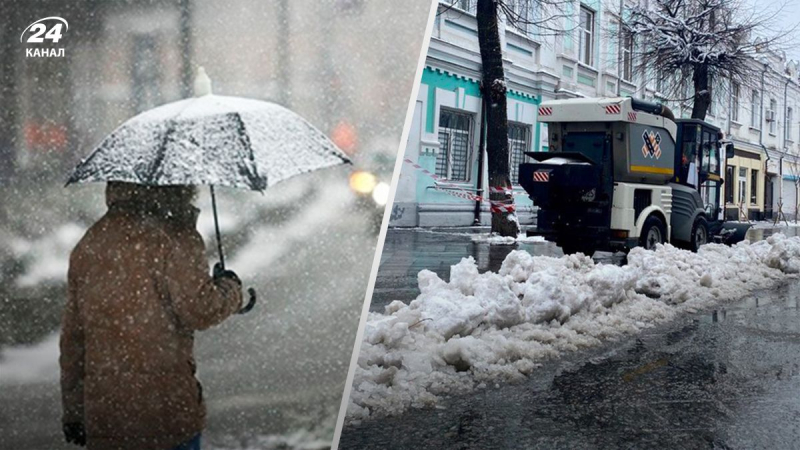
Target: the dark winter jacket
pixel 138 288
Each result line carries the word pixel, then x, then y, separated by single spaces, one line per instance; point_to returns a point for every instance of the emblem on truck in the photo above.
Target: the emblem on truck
pixel 652 144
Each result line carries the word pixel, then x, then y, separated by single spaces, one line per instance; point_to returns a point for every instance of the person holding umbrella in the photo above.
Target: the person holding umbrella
pixel 138 281
pixel 139 288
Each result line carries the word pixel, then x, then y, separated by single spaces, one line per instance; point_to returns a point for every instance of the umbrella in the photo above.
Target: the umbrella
pixel 211 140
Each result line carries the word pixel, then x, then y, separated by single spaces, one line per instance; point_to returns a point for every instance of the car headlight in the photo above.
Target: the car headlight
pixel 381 193
pixel 362 182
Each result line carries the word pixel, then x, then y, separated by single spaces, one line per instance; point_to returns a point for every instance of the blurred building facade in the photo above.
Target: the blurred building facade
pixel 581 61
pixel 128 56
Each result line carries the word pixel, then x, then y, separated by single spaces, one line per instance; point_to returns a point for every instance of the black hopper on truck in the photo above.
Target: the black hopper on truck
pixel 573 190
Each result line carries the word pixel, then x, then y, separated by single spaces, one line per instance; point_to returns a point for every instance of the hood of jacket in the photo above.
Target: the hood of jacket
pixel 169 203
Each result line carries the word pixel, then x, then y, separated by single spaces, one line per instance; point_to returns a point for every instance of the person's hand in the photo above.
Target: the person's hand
pixel 220 273
pixel 74 433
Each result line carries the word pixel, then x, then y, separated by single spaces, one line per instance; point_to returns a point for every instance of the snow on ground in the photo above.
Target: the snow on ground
pixel 270 242
pixel 30 363
pixel 495 239
pixel 46 259
pixel 769 224
pixel 299 440
pixel 481 329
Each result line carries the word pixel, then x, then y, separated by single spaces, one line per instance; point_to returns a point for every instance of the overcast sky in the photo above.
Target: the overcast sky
pixel 788 18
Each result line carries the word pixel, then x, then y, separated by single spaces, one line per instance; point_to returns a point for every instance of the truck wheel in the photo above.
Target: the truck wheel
pixel 653 232
pixel 699 233
pixel 571 249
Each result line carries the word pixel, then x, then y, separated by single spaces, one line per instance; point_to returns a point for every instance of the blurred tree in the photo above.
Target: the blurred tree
pixel 9 46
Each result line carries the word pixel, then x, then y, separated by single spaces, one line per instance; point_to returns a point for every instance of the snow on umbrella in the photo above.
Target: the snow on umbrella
pixel 211 140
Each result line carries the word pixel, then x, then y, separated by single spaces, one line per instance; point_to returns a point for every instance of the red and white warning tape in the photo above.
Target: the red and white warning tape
pixel 457 191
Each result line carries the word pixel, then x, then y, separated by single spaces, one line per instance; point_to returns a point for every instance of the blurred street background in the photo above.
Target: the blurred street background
pixel 273 378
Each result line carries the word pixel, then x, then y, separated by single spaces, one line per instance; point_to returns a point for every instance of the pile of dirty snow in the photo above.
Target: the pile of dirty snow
pixel 486 328
pixel 496 239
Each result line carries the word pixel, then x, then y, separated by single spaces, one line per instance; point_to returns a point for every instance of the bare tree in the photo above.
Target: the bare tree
pixel 699 40
pixel 523 14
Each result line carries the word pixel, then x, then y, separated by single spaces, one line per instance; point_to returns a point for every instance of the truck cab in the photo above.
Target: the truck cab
pixel 697 184
pixel 622 173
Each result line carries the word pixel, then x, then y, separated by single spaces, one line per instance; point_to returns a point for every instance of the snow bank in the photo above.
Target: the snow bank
pixel 46 259
pixel 769 224
pixel 495 239
pixel 300 439
pixel 486 328
pixel 29 364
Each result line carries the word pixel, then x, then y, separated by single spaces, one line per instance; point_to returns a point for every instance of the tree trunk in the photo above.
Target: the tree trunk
pixel 504 219
pixel 702 92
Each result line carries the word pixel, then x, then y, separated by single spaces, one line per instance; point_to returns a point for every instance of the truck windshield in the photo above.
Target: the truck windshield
pixel 710 155
pixel 691 142
pixel 588 144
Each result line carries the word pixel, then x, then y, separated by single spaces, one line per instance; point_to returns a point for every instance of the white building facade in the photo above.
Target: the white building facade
pixel 445 163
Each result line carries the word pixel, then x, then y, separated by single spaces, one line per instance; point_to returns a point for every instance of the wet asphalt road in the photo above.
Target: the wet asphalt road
pixel 728 378
pixel 723 379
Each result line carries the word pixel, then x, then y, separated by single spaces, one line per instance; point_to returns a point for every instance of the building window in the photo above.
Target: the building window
pixel 520 19
pixel 773 124
pixel 753 186
pixel 466 5
pixel 742 185
pixel 586 30
pixel 452 161
pixel 517 146
pixel 627 55
pixel 729 171
pixel 788 126
pixel 735 102
pixel 755 111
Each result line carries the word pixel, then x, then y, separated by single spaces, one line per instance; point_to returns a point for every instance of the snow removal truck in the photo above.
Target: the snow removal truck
pixel 621 173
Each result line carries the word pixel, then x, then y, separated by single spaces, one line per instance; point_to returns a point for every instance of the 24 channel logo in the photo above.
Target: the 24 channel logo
pixel 38 32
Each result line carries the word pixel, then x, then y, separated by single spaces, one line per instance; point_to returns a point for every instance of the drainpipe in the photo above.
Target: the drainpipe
pixel 730 107
pixel 761 133
pixel 785 127
pixel 620 43
pixel 723 199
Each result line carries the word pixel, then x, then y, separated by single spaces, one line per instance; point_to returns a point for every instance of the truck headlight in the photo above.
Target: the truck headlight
pixel 362 182
pixel 381 193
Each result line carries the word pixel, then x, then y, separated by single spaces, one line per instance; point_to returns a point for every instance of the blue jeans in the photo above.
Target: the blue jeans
pixel 193 444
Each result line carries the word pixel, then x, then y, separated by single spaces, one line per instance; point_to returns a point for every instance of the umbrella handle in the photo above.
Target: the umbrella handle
pixel 216 227
pixel 250 303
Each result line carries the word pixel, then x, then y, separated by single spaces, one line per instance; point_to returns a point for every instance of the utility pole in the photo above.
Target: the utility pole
pixel 185 44
pixel 283 53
